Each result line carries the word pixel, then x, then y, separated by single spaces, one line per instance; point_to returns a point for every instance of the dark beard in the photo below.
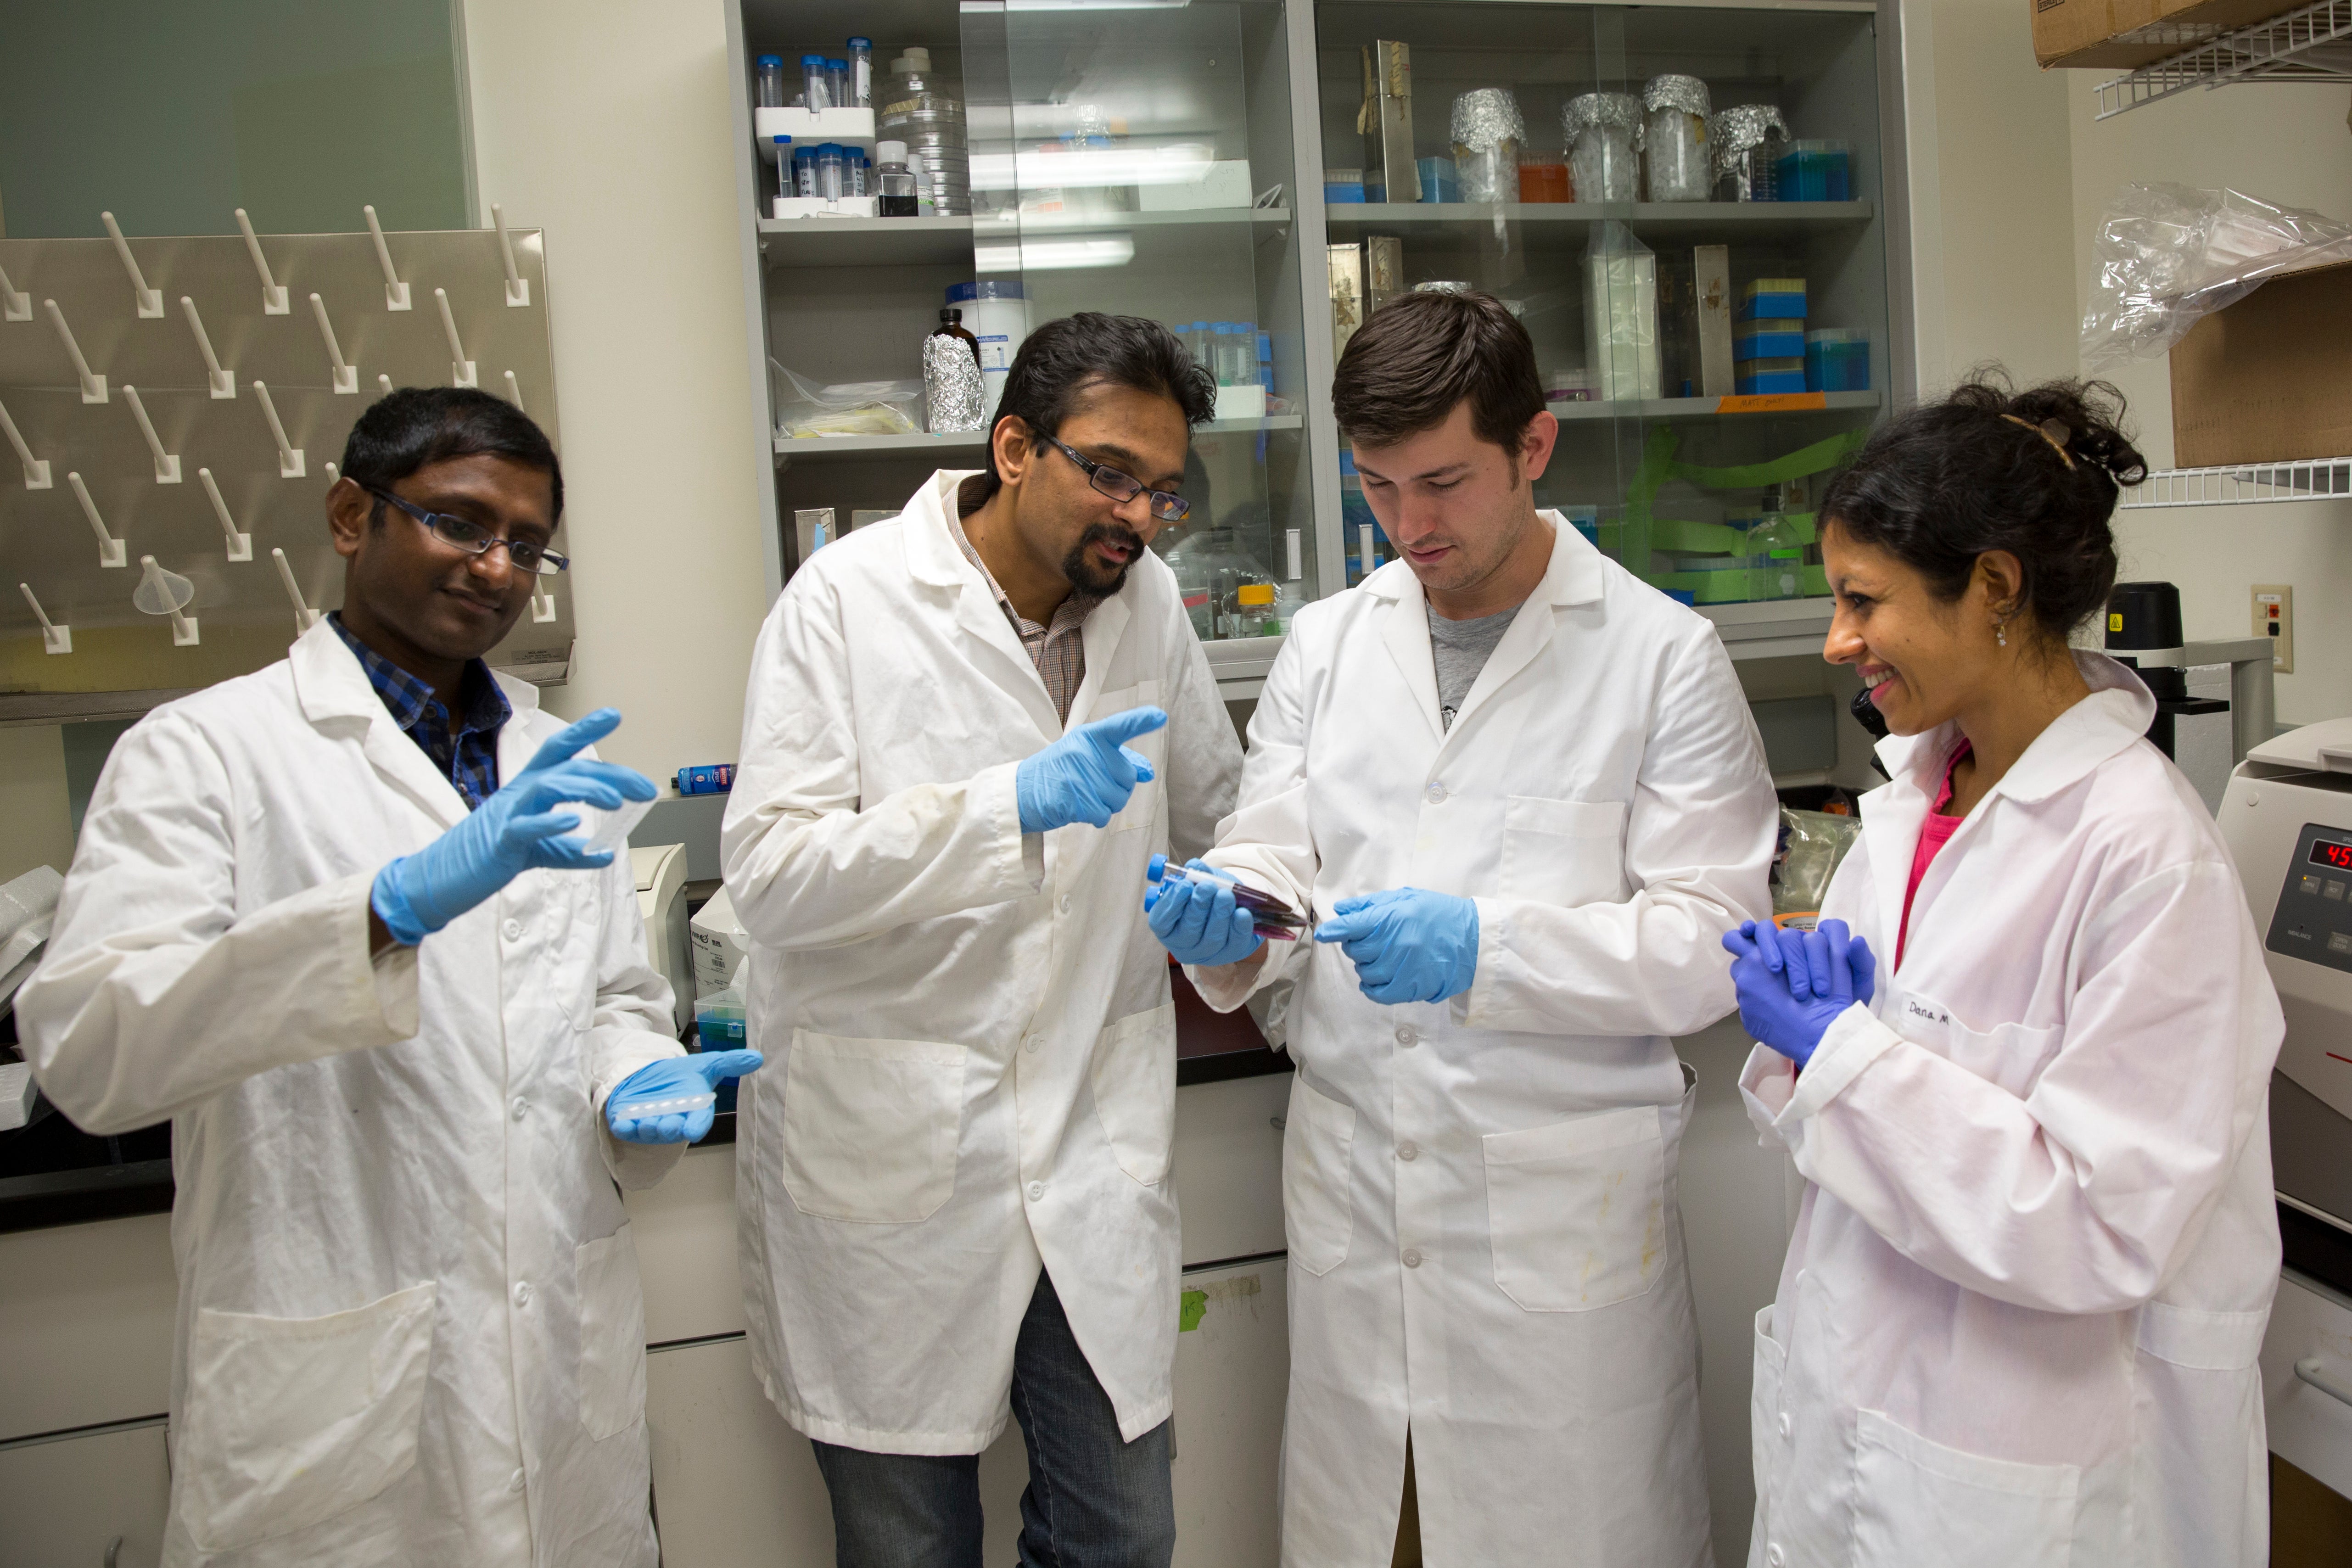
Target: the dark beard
pixel 1083 577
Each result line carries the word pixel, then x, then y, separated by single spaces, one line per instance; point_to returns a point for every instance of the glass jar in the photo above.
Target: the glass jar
pixel 1604 138
pixel 1674 139
pixel 1488 131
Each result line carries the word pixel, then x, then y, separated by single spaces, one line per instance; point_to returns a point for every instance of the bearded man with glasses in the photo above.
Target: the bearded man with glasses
pixel 968 728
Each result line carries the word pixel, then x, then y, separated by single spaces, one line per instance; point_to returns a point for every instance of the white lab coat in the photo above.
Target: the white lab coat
pixel 409 1327
pixel 2019 1319
pixel 1480 1194
pixel 971 1052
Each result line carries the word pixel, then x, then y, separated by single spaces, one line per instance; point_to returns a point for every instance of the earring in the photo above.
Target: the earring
pixel 2000 633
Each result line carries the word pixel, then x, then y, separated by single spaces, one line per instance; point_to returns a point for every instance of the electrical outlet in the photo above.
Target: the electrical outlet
pixel 2274 618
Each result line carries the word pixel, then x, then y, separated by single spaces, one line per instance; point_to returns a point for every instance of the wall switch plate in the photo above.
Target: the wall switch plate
pixel 2274 618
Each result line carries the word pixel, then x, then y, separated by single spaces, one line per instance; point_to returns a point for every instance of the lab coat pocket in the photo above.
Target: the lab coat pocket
pixel 1135 1090
pixel 1920 1504
pixel 2010 1055
pixel 612 1335
pixel 291 1421
pixel 871 1127
pixel 1577 1210
pixel 2197 1474
pixel 1319 1208
pixel 1562 851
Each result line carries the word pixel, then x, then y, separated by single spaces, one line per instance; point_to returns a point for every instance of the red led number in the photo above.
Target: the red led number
pixel 2339 855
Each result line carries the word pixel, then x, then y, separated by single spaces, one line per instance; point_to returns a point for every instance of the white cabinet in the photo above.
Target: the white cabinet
pixel 2310 1428
pixel 68 1503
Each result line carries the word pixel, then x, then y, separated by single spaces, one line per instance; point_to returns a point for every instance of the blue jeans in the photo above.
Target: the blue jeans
pixel 1093 1502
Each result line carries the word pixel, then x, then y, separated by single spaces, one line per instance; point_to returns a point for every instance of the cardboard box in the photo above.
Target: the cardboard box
pixel 1347 272
pixel 1384 271
pixel 2270 379
pixel 2125 33
pixel 1716 354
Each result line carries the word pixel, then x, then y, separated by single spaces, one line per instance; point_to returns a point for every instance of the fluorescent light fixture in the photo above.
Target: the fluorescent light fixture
pixel 1183 164
pixel 988 5
pixel 1062 253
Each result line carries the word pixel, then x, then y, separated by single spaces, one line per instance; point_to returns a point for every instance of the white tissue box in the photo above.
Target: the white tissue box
pixel 1240 402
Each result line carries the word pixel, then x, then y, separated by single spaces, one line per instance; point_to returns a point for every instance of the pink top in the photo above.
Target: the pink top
pixel 1934 833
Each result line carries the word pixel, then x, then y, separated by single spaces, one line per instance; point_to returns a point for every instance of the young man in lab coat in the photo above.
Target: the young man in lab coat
pixel 968 728
pixel 1524 795
pixel 325 917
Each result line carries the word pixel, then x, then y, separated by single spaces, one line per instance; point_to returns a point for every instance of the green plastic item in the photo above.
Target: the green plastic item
pixel 1190 1308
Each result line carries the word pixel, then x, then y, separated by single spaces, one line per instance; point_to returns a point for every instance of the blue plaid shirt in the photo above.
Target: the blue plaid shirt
pixel 470 758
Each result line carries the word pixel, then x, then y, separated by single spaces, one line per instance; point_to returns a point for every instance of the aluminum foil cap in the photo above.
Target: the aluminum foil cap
pixel 1686 93
pixel 1621 111
pixel 1485 118
pixel 1740 129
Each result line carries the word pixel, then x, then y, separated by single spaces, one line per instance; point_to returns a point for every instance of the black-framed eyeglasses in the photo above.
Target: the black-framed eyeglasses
pixel 1123 488
pixel 474 540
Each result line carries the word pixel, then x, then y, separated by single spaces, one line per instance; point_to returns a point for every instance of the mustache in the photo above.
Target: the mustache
pixel 1112 534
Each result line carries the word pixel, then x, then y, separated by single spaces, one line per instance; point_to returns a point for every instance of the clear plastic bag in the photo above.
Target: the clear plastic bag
pixel 846 408
pixel 1811 844
pixel 2170 255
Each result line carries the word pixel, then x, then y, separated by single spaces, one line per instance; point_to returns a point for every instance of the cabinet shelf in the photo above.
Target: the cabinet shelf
pixel 1566 226
pixel 794 242
pixel 1718 408
pixel 819 447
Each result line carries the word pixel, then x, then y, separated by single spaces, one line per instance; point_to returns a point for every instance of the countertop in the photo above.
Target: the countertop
pixel 53 1174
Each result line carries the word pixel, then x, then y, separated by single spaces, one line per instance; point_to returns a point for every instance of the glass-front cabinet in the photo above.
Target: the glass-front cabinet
pixel 1687 206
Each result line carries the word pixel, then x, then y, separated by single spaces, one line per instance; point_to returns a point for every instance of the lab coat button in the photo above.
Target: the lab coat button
pixel 1413 1257
pixel 514 1483
pixel 1036 1189
pixel 1436 793
pixel 521 1107
pixel 1776 1557
pixel 1030 1042
pixel 1408 1151
pixel 514 931
pixel 1787 1425
pixel 1065 903
pixel 522 1293
pixel 1405 1035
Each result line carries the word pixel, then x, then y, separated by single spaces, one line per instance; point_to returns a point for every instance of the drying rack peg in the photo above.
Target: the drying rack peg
pixel 347 376
pixel 151 300
pixel 382 384
pixel 240 545
pixel 156 582
pixel 395 292
pixel 518 286
pixel 110 550
pixel 55 639
pixel 305 617
pixel 15 305
pixel 461 369
pixel 514 390
pixel 543 606
pixel 36 470
pixel 334 476
pixel 290 456
pixel 93 385
pixel 274 299
pixel 167 464
pixel 221 383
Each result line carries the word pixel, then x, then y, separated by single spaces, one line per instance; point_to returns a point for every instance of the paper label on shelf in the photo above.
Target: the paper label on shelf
pixel 1774 403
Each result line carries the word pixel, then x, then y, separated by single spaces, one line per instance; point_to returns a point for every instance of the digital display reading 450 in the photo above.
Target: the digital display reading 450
pixel 2336 856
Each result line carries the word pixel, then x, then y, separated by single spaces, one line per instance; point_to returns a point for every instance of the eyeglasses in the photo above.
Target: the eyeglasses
pixel 1123 488
pixel 474 540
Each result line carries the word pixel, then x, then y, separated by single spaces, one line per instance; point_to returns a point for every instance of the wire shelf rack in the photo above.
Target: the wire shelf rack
pixel 2312 44
pixel 2239 484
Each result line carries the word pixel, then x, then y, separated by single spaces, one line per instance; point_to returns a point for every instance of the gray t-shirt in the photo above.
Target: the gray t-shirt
pixel 1463 648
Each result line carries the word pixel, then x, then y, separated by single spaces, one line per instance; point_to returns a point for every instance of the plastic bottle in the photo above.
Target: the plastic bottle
pixel 861 73
pixel 954 392
pixel 857 181
pixel 1243 350
pixel 894 185
pixel 1221 352
pixel 784 164
pixel 805 169
pixel 816 90
pixel 832 171
pixel 1289 598
pixel 1778 552
pixel 769 81
pixel 836 83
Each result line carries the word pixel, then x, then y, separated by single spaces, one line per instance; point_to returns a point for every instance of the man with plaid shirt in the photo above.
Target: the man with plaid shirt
pixel 968 730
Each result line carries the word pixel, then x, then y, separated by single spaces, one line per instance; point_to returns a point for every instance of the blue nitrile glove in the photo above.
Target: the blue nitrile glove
pixel 1199 924
pixel 636 1110
pixel 1407 944
pixel 1794 984
pixel 520 827
pixel 1087 774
